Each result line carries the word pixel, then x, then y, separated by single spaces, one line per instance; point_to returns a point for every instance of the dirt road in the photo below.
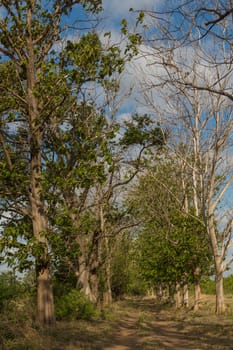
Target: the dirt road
pixel 144 325
pixel 137 324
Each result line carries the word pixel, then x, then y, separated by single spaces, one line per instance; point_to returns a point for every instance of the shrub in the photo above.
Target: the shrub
pixel 228 284
pixel 208 286
pixel 74 305
pixel 10 287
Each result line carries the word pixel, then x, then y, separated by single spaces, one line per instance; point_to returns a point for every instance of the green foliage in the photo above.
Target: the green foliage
pixel 171 243
pixel 142 131
pixel 17 300
pixel 86 60
pixel 125 276
pixel 172 255
pixel 70 133
pixel 17 328
pixel 73 305
pixel 10 287
pixel 208 286
pixel 57 142
pixel 120 272
pixel 17 243
pixel 136 284
pixel 228 284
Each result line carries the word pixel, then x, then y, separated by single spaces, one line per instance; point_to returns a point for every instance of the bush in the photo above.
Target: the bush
pixel 74 305
pixel 208 286
pixel 228 284
pixel 10 287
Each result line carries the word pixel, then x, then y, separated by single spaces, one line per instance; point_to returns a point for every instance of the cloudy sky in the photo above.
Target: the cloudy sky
pixel 114 12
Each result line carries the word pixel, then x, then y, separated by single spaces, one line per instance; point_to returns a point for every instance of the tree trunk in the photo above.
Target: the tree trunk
pixel 84 280
pixel 197 295
pixel 171 292
pixel 220 303
pixel 45 303
pixel 160 293
pixel 107 294
pixel 185 295
pixel 150 292
pixel 94 283
pixel 107 297
pixel 218 262
pixel 178 296
pixel 197 289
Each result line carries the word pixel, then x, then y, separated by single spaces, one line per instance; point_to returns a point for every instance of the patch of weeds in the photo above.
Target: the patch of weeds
pixel 141 322
pixel 74 305
pixel 106 314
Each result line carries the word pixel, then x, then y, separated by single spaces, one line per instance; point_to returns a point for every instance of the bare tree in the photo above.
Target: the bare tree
pixel 206 118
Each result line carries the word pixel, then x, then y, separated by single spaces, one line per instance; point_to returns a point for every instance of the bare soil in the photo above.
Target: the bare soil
pixel 146 325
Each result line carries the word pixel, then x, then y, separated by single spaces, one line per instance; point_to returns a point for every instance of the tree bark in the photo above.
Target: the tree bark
pixel 171 292
pixel 197 295
pixel 218 262
pixel 186 295
pixel 220 303
pixel 107 294
pixel 178 296
pixel 84 280
pixel 197 289
pixel 45 303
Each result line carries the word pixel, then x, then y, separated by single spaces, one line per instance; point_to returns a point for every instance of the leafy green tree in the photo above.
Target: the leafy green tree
pixel 54 138
pixel 36 94
pixel 172 242
pixel 88 219
pixel 172 255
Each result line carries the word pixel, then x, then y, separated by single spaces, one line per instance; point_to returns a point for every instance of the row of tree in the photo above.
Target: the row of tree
pixel 63 158
pixel 188 49
pixel 66 164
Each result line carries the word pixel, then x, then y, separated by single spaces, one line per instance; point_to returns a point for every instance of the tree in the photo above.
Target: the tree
pixel 98 166
pixel 172 242
pixel 35 95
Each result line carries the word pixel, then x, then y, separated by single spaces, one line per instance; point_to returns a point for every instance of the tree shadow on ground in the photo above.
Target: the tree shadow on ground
pixel 145 325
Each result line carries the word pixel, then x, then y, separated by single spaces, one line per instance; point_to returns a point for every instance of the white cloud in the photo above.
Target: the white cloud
pixel 124 117
pixel 150 76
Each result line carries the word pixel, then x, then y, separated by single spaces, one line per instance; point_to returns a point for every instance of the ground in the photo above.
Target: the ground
pixel 137 324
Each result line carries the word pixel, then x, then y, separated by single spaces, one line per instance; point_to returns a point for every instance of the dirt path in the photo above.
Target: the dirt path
pixel 125 337
pixel 145 325
pixel 132 324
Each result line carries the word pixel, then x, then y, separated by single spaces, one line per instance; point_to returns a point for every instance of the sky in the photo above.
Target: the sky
pixel 114 12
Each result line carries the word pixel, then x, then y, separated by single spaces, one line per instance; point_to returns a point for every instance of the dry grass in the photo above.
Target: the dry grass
pixel 130 324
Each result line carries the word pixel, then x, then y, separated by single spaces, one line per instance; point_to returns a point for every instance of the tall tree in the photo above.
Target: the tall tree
pixel 98 165
pixel 34 95
pixel 172 242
